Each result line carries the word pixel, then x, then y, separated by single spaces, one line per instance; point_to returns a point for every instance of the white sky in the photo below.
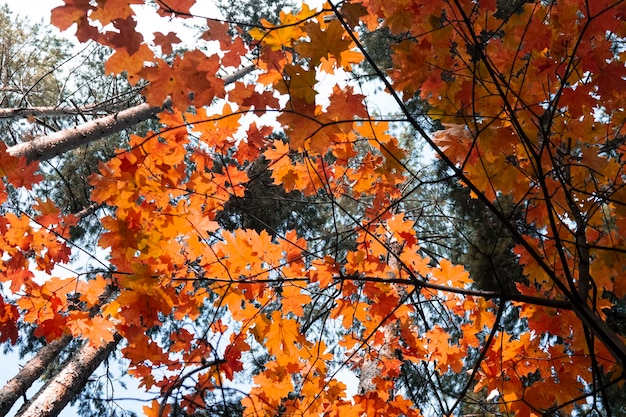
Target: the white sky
pixel 35 10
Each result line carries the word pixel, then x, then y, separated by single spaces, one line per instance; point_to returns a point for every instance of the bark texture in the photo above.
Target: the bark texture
pixel 46 147
pixel 17 386
pixel 63 387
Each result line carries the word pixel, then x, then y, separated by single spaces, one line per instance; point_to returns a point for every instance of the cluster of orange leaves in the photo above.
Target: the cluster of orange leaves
pixel 166 190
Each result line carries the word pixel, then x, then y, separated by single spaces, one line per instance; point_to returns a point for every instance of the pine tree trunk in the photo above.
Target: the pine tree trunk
pixel 17 386
pixel 46 147
pixel 68 382
pixel 99 109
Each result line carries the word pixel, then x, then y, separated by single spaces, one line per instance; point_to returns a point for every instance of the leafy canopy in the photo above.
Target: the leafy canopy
pixel 531 100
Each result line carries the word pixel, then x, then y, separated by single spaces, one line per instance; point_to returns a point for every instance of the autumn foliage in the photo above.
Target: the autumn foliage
pixel 531 104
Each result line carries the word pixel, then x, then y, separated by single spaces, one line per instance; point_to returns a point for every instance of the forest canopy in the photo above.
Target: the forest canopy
pixel 428 196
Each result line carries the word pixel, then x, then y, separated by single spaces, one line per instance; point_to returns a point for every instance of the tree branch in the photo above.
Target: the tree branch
pixel 55 111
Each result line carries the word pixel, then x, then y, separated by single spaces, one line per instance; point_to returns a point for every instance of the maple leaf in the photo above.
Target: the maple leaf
pixel 155 410
pixel 233 179
pixel 50 329
pixel 255 142
pixel 489 5
pixel 298 83
pixel 112 10
pixel 9 316
pixel 455 141
pixel 125 35
pixel 189 78
pixel 402 229
pixel 345 105
pixel 454 275
pixel 293 300
pixel 18 170
pixel 217 31
pixel 278 37
pixel 283 335
pixel 247 96
pixel 179 8
pixel 48 212
pixel 132 64
pixel 280 150
pixel 97 330
pixel 232 356
pixel 92 291
pixel 323 43
pixel 72 12
pixel 324 272
pixel 353 12
pixel 166 41
pixel 233 57
pixel 611 80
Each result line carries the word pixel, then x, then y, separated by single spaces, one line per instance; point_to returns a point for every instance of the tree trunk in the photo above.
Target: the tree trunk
pixel 55 111
pixel 17 386
pixel 63 387
pixel 46 147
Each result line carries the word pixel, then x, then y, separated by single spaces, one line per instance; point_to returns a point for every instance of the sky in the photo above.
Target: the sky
pixel 35 10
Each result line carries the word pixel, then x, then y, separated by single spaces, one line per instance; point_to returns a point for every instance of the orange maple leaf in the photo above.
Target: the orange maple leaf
pixel 132 64
pixel 72 12
pixel 190 78
pixel 112 10
pixel 9 315
pixel 283 335
pixel 179 8
pixel 166 41
pixel 330 41
pixel 18 170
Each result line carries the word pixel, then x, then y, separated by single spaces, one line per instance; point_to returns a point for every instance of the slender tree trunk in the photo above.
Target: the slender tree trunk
pixel 17 386
pixel 46 147
pixel 55 111
pixel 63 387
